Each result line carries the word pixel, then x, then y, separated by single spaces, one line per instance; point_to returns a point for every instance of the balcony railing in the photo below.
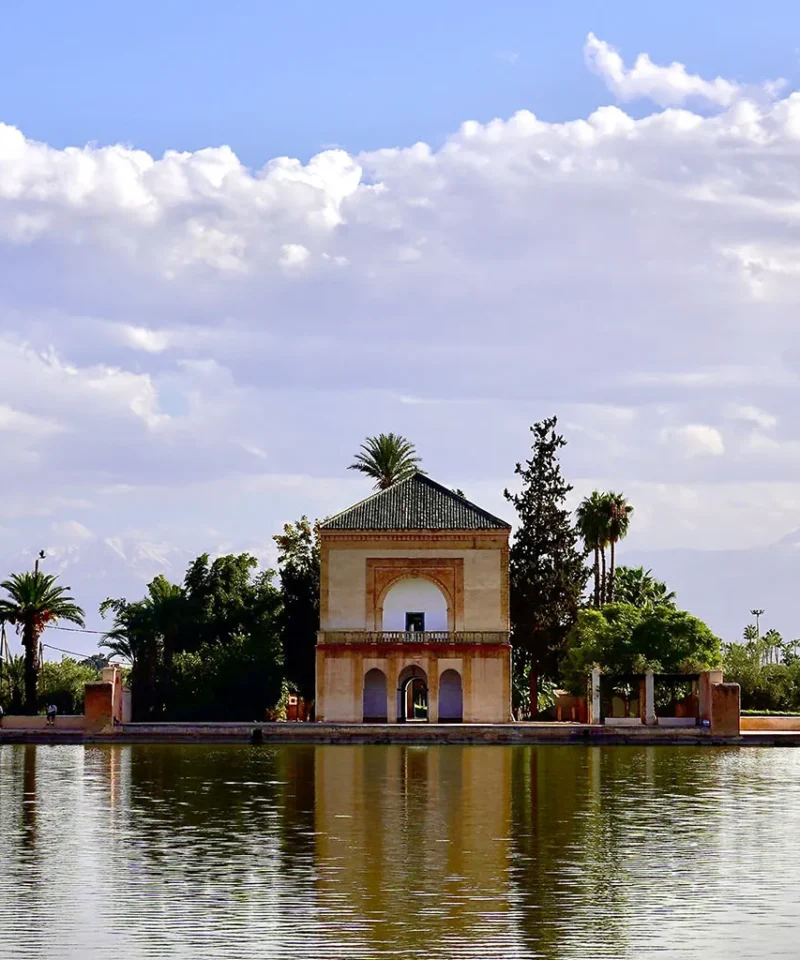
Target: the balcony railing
pixel 437 637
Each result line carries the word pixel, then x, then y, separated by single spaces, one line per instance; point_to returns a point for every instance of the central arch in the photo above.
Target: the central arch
pixel 415 603
pixel 412 694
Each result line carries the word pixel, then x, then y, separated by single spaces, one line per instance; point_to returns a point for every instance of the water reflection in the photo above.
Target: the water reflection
pixel 567 852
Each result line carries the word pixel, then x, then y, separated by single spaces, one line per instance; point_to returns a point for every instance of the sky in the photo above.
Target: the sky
pixel 235 239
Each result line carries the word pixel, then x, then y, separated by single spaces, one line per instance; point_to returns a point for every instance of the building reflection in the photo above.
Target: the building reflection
pixel 415 840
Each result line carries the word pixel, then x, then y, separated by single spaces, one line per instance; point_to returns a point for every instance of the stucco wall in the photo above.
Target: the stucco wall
pixel 347 585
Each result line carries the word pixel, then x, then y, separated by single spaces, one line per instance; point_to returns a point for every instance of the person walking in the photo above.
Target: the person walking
pixel 52 710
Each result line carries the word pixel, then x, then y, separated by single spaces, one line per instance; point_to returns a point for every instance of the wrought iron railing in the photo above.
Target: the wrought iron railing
pixel 413 636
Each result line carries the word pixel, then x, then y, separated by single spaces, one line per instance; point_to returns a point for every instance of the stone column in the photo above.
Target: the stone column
pixel 649 699
pixel 391 690
pixel 594 696
pixel 433 690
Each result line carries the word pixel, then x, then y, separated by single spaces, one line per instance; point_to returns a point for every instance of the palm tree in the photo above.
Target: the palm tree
pixel 387 458
pixel 619 517
pixel 639 587
pixel 35 601
pixel 592 526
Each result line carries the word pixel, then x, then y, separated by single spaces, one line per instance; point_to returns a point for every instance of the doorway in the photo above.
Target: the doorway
pixel 412 695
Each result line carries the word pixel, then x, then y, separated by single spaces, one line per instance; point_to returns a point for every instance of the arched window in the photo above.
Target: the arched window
pixel 375 702
pixel 451 700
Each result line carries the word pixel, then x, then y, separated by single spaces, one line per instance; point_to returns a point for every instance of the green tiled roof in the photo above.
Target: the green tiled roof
pixel 417 503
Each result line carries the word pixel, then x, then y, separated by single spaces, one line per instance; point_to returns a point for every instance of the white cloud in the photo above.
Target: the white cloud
pixel 17 421
pixel 140 338
pixel 695 440
pixel 293 255
pixel 751 414
pixel 666 86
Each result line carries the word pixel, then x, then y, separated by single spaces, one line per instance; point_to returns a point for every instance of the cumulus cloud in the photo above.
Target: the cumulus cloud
pixel 176 327
pixel 667 86
pixel 695 439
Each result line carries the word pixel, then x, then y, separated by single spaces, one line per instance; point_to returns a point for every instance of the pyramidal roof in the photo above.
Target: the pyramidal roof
pixel 416 503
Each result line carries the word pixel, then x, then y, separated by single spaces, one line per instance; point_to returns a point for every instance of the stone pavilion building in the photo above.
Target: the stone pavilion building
pixel 414 610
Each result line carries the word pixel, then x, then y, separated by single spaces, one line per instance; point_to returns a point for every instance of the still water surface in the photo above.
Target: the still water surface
pixel 395 851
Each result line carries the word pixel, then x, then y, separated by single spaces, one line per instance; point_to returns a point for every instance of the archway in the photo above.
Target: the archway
pixel 451 700
pixel 374 704
pixel 414 604
pixel 412 694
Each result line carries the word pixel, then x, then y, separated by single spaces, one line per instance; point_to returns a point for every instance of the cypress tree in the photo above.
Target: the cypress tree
pixel 548 572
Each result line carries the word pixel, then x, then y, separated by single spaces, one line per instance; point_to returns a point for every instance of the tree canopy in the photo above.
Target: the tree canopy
pixel 209 649
pixel 622 638
pixel 639 587
pixel 298 566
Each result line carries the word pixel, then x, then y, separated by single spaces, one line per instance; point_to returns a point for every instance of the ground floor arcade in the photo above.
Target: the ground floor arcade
pixel 397 683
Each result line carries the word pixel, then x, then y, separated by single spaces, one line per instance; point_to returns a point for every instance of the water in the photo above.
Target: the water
pixel 396 851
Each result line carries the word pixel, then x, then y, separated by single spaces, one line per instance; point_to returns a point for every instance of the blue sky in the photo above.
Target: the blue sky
pixel 271 79
pixel 235 239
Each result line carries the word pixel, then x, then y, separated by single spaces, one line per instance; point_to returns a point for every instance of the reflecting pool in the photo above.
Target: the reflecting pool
pixel 398 851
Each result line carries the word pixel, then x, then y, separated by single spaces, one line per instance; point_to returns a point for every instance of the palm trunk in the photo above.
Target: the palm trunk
pixel 30 640
pixel 611 576
pixel 597 575
pixel 603 582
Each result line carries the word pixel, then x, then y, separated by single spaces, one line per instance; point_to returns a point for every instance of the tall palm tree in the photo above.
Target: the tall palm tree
pixel 387 458
pixel 619 518
pixel 34 601
pixel 591 516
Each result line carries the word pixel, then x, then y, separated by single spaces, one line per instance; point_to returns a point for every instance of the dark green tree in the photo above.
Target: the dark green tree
pixel 298 566
pixel 548 573
pixel 621 638
pixel 134 637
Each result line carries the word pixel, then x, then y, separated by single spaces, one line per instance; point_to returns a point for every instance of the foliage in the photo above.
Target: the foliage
pixel 35 601
pixel 183 642
pixel 547 570
pixel 237 680
pixel 386 458
pixel 62 683
pixel 299 566
pixel 12 684
pixel 621 638
pixel 764 686
pixel 639 587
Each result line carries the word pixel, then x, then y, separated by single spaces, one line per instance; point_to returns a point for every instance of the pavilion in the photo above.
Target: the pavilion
pixel 414 610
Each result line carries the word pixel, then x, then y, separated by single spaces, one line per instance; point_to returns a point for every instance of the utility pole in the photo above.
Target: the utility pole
pixel 757 615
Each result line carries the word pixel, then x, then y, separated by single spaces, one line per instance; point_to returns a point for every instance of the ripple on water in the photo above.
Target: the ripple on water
pixel 390 851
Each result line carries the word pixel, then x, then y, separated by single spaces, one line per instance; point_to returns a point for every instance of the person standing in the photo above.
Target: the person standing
pixel 52 710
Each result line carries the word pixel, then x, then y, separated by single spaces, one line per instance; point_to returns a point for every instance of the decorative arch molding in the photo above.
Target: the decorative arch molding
pixel 447 573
